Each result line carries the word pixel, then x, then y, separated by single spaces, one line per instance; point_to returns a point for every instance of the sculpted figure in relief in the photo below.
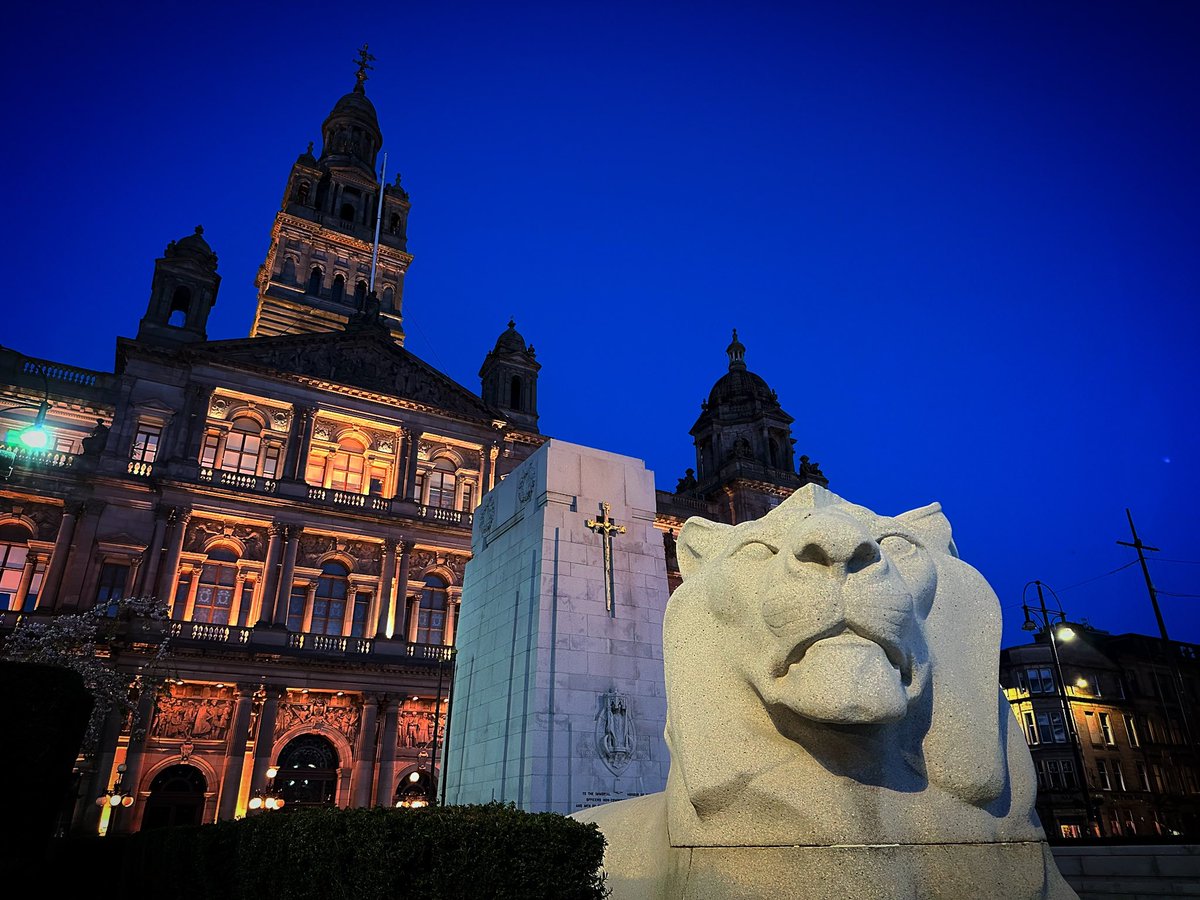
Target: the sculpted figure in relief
pixel 835 721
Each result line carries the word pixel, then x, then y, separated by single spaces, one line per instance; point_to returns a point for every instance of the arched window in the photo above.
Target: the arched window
pixel 431 617
pixel 347 212
pixel 442 482
pixel 339 288
pixel 360 294
pixel 347 466
pixel 303 192
pixel 394 224
pixel 308 768
pixel 389 298
pixel 315 277
pixel 176 798
pixel 181 302
pixel 242 446
pixel 14 552
pixel 329 601
pixel 218 582
pixel 289 270
pixel 514 393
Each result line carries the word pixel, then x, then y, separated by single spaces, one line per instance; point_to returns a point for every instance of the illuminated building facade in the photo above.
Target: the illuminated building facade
pixel 1134 702
pixel 302 498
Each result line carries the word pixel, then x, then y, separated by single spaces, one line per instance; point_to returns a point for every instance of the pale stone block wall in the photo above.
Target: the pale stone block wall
pixel 560 702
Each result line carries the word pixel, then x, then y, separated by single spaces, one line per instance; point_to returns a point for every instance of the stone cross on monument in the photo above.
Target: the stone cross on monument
pixel 606 528
pixel 364 63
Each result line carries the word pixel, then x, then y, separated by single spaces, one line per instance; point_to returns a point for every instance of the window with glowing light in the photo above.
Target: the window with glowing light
pixel 14 553
pixel 308 768
pixel 111 585
pixel 348 466
pixel 218 582
pixel 243 445
pixel 442 484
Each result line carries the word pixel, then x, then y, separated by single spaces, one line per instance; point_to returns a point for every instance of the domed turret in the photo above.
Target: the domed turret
pixel 509 378
pixel 350 133
pixel 182 292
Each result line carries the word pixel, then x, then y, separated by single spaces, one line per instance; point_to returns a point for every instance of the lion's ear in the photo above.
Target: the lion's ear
pixel 698 540
pixel 930 524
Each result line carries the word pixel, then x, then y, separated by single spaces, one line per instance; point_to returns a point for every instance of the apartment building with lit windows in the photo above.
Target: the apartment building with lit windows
pixel 1115 739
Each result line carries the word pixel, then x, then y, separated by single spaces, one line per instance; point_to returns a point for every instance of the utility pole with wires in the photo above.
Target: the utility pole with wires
pixel 1141 548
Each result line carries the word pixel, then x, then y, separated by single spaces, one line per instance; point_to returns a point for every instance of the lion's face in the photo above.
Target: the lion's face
pixel 829 602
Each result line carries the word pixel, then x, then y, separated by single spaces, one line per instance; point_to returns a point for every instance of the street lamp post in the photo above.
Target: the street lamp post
pixel 1063 632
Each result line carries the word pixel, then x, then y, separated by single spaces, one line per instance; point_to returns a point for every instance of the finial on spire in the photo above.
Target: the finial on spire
pixel 736 352
pixel 364 63
pixel 199 229
pixel 511 322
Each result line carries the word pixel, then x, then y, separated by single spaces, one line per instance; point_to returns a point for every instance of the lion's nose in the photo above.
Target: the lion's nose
pixel 835 544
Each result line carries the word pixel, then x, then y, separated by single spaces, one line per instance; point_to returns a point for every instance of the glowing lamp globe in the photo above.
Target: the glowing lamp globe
pixel 127 801
pixel 255 802
pixel 114 801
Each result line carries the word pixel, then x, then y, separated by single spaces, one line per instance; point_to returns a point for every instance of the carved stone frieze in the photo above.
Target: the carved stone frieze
pixel 191 718
pixel 201 531
pixel 423 560
pixel 415 731
pixel 44 516
pixel 317 711
pixel 313 547
pixel 366 556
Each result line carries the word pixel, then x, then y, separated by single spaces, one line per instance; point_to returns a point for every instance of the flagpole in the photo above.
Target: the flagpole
pixel 378 222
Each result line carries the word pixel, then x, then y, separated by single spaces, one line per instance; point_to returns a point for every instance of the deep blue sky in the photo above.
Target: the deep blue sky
pixel 959 239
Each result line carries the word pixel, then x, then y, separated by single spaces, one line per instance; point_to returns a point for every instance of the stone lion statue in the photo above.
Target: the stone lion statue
pixel 835 721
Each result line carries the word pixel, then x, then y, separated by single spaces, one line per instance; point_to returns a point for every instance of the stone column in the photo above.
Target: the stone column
pixel 401 464
pixel 385 587
pixel 240 611
pixel 401 606
pixel 166 577
pixel 265 741
pixel 195 421
pixel 58 558
pixel 451 621
pixel 293 465
pixel 235 751
pixel 410 476
pixel 153 552
pixel 31 564
pixel 189 604
pixel 123 824
pixel 284 589
pixel 364 761
pixel 487 465
pixel 81 551
pixel 270 580
pixel 386 771
pixel 414 618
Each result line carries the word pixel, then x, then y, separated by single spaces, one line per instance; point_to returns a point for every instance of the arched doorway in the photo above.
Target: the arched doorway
pixel 416 788
pixel 176 798
pixel 308 771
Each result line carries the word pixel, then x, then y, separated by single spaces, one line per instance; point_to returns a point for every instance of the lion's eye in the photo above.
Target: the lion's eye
pixel 756 550
pixel 896 545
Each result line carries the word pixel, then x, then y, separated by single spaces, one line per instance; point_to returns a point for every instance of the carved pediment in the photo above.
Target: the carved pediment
pixel 364 359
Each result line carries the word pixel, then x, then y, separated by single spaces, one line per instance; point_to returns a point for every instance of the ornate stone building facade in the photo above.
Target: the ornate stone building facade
pixel 302 498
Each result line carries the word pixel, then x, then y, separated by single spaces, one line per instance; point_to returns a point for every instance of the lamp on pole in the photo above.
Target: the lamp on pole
pixel 35 436
pixel 1054 626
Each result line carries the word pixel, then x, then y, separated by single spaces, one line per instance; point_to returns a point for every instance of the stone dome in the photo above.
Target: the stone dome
pixel 194 246
pixel 739 386
pixel 510 341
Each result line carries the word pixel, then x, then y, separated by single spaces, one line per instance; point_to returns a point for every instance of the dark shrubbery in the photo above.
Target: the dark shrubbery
pixel 489 851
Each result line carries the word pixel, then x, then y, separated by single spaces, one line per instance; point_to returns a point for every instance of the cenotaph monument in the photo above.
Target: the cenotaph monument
pixel 559 700
pixel 835 722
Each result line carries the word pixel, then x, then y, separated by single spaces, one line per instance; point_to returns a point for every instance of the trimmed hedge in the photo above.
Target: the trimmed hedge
pixel 489 851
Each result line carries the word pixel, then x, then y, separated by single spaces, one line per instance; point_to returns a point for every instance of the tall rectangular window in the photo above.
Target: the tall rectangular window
pixel 271 461
pixel 111 586
pixel 1106 730
pixel 1131 729
pixel 1118 777
pixel 1031 729
pixel 362 609
pixel 145 442
pixel 1143 776
pixel 208 452
pixel 1104 775
pixel 296 604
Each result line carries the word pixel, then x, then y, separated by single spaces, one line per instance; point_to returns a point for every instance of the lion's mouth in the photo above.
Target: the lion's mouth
pixel 900 660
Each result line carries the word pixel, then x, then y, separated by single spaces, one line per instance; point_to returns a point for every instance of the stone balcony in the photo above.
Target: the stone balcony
pixel 272 640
